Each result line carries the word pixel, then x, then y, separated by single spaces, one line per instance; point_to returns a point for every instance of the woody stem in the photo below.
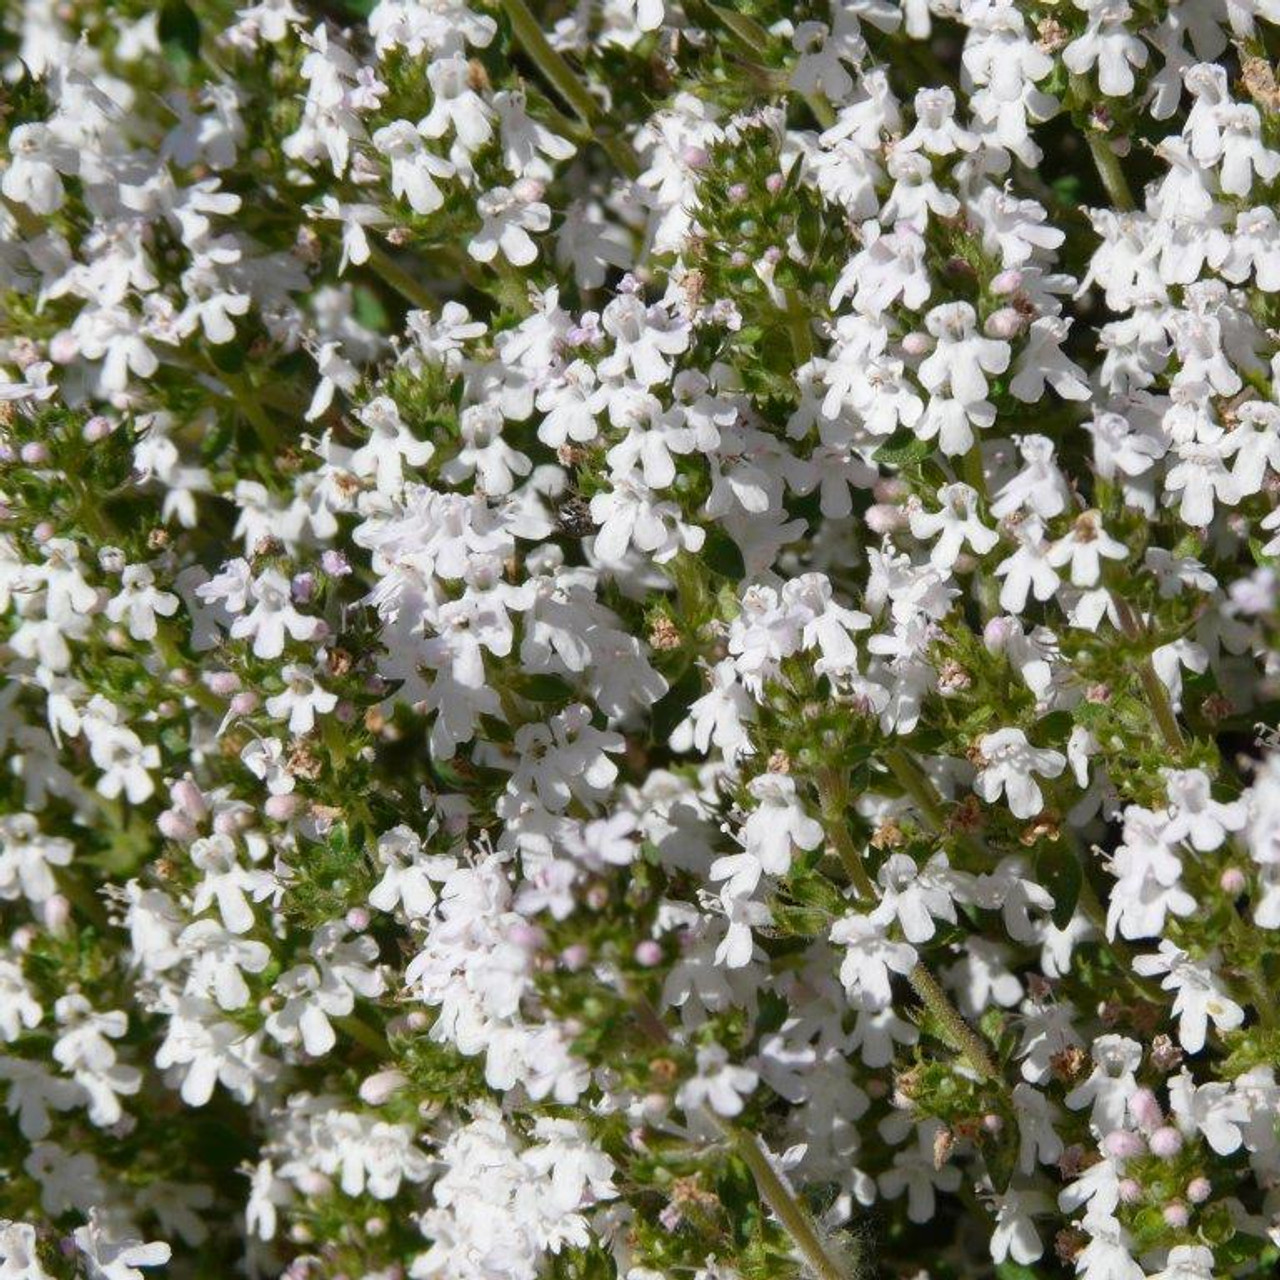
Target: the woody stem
pixel 1105 160
pixel 784 1203
pixel 1152 686
pixel 833 793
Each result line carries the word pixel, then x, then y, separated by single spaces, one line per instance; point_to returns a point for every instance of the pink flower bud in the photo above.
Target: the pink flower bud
pixel 188 798
pixel 992 1123
pixel 380 1086
pixel 998 632
pixel 1005 323
pixel 1199 1190
pixel 882 517
pixel 774 183
pixel 1130 1190
pixel 313 1183
pixel 1177 1214
pixel 1144 1108
pixel 1166 1142
pixel 222 683
pixel 1232 881
pixel 244 702
pixel 358 919
pixel 175 826
pixel 281 808
pixel 56 911
pixel 574 957
pixel 738 192
pixel 695 157
pixel 917 344
pixel 648 953
pixel 35 453
pixel 525 935
pixel 1007 282
pixel 1123 1143
pixel 43 531
pixel 97 428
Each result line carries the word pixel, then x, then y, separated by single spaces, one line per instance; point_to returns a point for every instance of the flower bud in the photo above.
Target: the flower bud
pixel 1144 1108
pixel 1177 1214
pixel 917 344
pixel 222 683
pixel 998 632
pixel 648 953
pixel 1006 282
pixel 1232 881
pixel 1199 1190
pixel 1166 1142
pixel 379 1087
pixel 281 808
pixel 1130 1190
pixel 1006 323
pixel 1122 1144
pixel 56 911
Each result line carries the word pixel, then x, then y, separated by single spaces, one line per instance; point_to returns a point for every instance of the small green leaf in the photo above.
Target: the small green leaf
pixel 902 449
pixel 1058 870
pixel 179 31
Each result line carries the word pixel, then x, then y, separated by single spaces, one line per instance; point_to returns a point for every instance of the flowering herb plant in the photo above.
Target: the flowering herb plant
pixel 640 639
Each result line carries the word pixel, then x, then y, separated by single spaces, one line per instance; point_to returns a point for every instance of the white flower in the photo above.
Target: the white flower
pixel 719 1084
pixel 952 525
pixel 1201 997
pixel 106 1258
pixel 1009 765
pixel 272 616
pixel 302 700
pixel 507 221
pixel 139 601
pixel 869 959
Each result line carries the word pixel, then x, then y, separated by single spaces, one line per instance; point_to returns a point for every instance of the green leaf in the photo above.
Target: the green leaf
pixel 902 449
pixel 721 555
pixel 179 31
pixel 1058 870
pixel 745 30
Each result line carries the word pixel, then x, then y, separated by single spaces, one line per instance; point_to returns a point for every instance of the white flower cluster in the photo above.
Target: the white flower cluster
pixel 640 639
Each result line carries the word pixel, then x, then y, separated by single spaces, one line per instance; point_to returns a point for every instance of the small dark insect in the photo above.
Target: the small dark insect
pixel 573 518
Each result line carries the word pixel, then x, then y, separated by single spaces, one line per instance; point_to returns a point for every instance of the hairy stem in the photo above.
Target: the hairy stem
pixel 562 78
pixel 833 793
pixel 1152 686
pixel 1105 160
pixel 784 1203
pixel 394 275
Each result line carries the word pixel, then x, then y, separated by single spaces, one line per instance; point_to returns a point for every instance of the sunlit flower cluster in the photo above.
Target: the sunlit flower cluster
pixel 641 640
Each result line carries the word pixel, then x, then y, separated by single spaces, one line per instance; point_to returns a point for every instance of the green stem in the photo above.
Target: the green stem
pixel 362 1033
pixel 1105 160
pixel 966 1040
pixel 562 78
pixel 394 275
pixel 775 1193
pixel 975 477
pixel 798 327
pixel 913 780
pixel 784 1203
pixel 1152 686
pixel 833 793
pixel 548 61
